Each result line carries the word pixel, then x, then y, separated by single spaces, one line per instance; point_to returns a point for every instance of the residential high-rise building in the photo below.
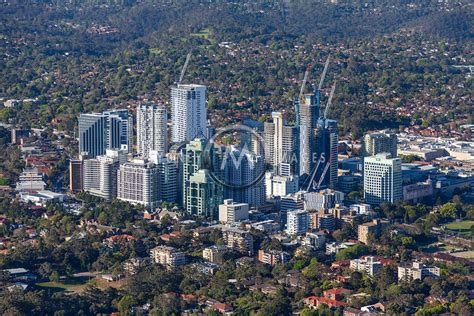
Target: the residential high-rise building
pixel 152 129
pixel 100 174
pixel 188 116
pixel 168 177
pixel 193 157
pixel 308 119
pixel 230 212
pixel 381 142
pixel 137 183
pixel 280 145
pixel 203 195
pixel 382 179
pixel 101 131
pixel 297 222
pixel 192 160
pixel 242 172
pixel 253 139
pixel 175 154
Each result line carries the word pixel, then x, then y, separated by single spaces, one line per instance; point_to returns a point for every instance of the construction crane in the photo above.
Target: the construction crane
pixel 328 104
pixel 321 81
pixel 305 79
pixel 188 57
pixel 323 175
pixel 323 75
pixel 311 180
pixel 312 183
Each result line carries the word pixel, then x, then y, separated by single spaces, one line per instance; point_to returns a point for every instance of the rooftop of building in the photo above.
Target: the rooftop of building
pixel 189 86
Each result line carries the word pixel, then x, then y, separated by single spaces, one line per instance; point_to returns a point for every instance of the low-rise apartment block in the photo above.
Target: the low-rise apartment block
pixel 239 240
pixel 315 240
pixel 167 256
pixel 416 271
pixel 373 228
pixel 214 254
pixel 368 265
pixel 334 247
pixel 273 257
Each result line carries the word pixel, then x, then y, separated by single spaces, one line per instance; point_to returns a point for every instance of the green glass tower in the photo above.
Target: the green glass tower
pixel 203 195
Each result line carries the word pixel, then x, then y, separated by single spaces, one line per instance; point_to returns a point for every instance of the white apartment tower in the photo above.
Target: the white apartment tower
pixel 137 183
pixel 189 116
pixel 280 145
pixel 382 179
pixel 297 222
pixel 100 173
pixel 380 142
pixel 152 131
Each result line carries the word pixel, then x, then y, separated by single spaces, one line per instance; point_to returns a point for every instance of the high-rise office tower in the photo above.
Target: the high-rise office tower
pixel 322 200
pixel 280 185
pixel 101 131
pixel 231 212
pixel 100 174
pixel 119 129
pixel 326 138
pixel 308 119
pixel 76 175
pixel 92 134
pixel 189 116
pixel 381 142
pixel 382 179
pixel 242 172
pixel 280 145
pixel 137 183
pixel 152 129
pixel 203 195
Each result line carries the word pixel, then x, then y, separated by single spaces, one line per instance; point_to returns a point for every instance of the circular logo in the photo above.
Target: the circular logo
pixel 235 157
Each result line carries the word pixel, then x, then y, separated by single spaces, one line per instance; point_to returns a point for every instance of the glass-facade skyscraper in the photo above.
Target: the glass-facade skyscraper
pixel 101 131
